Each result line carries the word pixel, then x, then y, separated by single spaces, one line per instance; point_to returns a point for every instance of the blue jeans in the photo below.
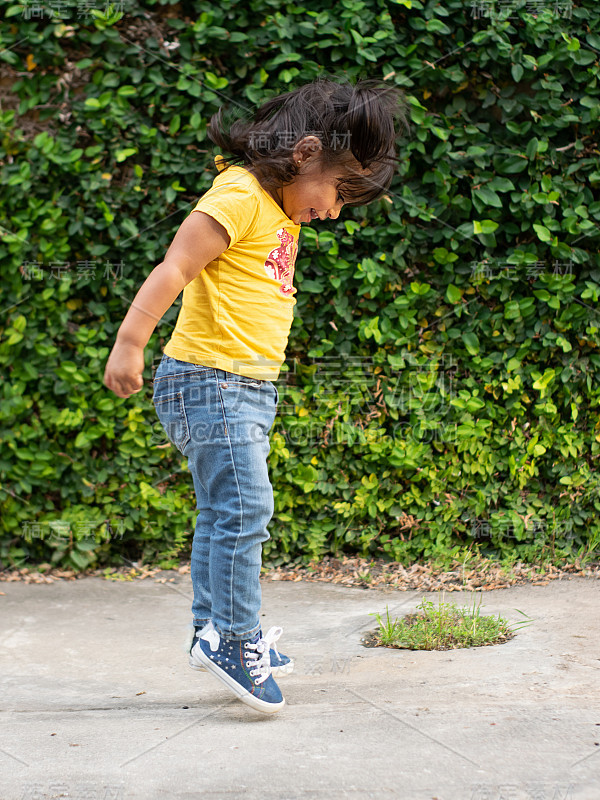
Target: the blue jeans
pixel 220 422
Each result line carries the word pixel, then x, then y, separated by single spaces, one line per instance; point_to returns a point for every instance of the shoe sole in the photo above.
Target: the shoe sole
pixel 241 693
pixel 276 672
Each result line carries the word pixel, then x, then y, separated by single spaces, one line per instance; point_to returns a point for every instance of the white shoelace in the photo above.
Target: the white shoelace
pixel 261 666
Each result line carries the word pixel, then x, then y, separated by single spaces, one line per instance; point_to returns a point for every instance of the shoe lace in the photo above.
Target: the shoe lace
pixel 259 654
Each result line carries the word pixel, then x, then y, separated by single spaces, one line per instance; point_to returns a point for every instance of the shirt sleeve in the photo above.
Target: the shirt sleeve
pixel 233 202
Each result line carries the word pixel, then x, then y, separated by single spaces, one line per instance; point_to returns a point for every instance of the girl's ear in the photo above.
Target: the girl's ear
pixel 307 149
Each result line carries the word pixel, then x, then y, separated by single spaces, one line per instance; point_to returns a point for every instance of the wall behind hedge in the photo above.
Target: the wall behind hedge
pixel 442 385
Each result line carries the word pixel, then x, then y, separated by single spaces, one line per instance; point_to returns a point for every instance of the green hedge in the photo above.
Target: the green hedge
pixel 442 386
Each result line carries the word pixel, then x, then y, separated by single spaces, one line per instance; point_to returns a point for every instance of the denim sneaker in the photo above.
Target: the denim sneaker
pixel 243 666
pixel 280 664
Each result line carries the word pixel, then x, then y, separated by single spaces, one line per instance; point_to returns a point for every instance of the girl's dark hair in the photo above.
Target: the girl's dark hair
pixel 353 121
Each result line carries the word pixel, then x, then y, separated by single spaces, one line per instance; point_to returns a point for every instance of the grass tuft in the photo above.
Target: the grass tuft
pixel 442 627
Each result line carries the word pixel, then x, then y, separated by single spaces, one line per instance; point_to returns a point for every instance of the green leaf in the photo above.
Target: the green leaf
pixel 543 233
pixel 531 149
pixel 130 227
pixel 437 26
pixel 512 165
pixel 499 184
pixel 214 82
pixel 420 288
pixel 489 198
pixel 484 226
pixel 121 155
pixel 351 226
pixel 471 342
pixel 105 404
pixel 564 343
pixel 81 440
pixel 516 71
pixel 453 294
pixel 80 560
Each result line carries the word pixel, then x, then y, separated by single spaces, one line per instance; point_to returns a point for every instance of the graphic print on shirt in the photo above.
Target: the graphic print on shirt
pixel 280 262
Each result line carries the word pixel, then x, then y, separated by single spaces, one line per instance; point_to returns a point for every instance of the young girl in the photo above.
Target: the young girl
pixel 301 157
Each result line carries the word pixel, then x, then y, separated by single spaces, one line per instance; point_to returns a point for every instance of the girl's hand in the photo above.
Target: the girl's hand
pixel 124 368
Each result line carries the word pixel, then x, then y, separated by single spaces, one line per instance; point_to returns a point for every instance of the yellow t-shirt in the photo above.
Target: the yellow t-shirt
pixel 237 313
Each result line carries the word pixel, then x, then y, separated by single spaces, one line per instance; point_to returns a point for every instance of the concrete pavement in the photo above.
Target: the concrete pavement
pixel 97 701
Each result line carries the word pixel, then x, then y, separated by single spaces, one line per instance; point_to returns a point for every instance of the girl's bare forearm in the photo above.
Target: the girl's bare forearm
pixel 156 296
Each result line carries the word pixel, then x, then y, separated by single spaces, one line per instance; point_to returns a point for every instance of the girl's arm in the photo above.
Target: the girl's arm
pixel 199 240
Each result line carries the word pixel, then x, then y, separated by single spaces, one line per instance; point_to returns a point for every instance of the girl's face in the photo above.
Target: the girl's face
pixel 313 194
